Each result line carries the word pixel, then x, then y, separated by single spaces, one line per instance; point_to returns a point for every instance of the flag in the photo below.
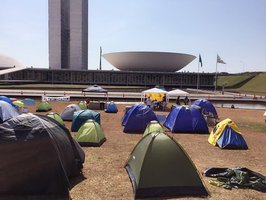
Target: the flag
pixel 219 60
pixel 200 60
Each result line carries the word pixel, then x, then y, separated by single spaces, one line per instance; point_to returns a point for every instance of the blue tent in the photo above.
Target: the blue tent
pixel 137 118
pixel 227 135
pixel 8 100
pixel 125 117
pixel 111 108
pixel 231 140
pixel 7 111
pixel 206 106
pixel 186 120
pixel 28 102
pixel 80 117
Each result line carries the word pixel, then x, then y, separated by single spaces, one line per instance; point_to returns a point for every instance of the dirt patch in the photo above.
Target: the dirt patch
pixel 106 178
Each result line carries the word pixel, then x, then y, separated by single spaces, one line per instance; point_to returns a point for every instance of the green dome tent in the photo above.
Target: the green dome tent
pixel 160 168
pixel 90 134
pixel 153 127
pixel 56 117
pixel 44 106
pixel 82 105
pixel 82 116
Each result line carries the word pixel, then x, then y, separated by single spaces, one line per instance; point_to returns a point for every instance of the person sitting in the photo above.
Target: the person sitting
pixel 155 104
pixel 148 101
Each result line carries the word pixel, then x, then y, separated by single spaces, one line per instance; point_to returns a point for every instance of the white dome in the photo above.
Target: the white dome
pixel 149 61
pixel 6 61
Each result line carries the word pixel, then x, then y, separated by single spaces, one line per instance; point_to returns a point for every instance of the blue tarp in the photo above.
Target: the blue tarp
pixel 111 108
pixel 205 105
pixel 137 118
pixel 186 120
pixel 80 117
pixel 229 139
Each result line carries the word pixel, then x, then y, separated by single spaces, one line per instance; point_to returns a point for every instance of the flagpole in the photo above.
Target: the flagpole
pixel 100 58
pixel 198 79
pixel 216 76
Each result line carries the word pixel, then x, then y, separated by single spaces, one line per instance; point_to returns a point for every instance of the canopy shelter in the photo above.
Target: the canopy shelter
pixel 176 93
pixel 96 89
pixel 154 93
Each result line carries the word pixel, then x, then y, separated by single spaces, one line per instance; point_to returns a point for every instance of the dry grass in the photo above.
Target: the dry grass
pixel 106 178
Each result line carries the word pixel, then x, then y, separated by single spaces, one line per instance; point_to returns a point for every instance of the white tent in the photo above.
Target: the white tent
pixel 176 93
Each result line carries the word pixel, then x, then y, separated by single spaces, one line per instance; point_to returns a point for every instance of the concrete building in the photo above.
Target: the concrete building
pixel 68 34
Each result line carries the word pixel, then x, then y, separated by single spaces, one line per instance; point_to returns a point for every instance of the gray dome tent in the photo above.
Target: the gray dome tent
pixel 39 157
pixel 159 167
pixel 68 112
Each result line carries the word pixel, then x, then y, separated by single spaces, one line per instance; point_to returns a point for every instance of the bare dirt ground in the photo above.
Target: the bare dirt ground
pixel 106 178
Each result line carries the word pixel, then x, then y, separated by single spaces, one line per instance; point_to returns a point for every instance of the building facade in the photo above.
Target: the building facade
pixel 102 77
pixel 68 34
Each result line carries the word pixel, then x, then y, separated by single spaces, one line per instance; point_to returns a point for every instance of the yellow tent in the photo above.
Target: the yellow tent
pixel 219 128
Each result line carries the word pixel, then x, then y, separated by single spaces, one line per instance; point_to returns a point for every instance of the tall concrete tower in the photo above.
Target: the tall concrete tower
pixel 68 34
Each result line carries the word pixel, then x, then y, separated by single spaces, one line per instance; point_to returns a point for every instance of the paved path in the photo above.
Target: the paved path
pixel 131 95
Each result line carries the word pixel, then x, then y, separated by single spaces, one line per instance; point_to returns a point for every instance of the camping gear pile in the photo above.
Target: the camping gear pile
pixel 229 178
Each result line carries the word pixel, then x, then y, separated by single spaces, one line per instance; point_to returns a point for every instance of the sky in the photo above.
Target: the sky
pixel 233 29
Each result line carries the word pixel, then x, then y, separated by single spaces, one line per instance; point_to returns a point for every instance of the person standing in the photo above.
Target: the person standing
pixel 177 102
pixel 186 100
